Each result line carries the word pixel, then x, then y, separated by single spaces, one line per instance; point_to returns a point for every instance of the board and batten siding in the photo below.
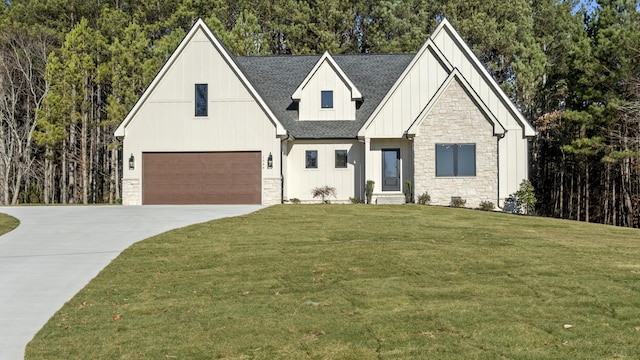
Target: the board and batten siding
pixel 300 181
pixel 513 149
pixel 326 79
pixel 419 84
pixel 166 121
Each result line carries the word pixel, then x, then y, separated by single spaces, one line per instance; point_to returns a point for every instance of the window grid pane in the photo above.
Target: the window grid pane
pixel 466 160
pixel 445 160
pixel 311 159
pixel 202 99
pixel 341 158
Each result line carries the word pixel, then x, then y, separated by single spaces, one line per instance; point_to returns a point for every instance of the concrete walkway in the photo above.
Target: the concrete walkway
pixel 57 250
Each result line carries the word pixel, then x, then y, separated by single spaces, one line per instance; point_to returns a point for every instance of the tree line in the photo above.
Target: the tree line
pixel 70 70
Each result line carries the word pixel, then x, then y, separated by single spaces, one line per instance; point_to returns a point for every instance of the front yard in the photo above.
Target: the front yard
pixel 361 282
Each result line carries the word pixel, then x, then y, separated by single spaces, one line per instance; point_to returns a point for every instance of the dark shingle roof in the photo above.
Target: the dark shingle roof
pixel 275 78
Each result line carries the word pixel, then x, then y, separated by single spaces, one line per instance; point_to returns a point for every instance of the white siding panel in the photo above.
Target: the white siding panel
pixel 300 181
pixel 410 97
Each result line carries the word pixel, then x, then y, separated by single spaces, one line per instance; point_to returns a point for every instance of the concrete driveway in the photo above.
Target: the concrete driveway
pixel 57 250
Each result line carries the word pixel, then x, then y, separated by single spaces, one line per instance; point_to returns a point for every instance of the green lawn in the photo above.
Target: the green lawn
pixel 7 223
pixel 361 282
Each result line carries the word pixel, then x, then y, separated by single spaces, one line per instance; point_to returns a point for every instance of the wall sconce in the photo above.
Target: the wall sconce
pixel 132 162
pixel 270 161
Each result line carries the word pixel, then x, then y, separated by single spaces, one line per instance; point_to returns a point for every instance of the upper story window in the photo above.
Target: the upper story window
pixel 202 100
pixel 455 159
pixel 327 99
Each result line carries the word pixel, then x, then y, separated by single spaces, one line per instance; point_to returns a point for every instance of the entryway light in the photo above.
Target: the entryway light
pixel 270 161
pixel 132 162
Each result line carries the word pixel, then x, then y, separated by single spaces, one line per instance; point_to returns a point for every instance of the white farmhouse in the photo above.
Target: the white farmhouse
pixel 213 128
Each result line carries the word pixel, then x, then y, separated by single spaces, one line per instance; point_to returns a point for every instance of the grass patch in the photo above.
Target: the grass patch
pixel 7 223
pixel 361 282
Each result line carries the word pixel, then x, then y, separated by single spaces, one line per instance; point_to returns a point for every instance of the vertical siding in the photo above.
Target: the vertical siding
pixel 413 93
pixel 326 78
pixel 300 181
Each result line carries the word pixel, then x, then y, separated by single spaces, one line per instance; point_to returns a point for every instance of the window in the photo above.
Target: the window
pixel 202 100
pixel 341 159
pixel 455 159
pixel 311 157
pixel 327 99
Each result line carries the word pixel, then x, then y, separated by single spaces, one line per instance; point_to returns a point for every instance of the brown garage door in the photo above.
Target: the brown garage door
pixel 201 178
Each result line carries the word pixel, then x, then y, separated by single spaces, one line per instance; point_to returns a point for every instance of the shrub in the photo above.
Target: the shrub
pixel 407 194
pixel 424 199
pixel 324 192
pixel 487 206
pixel 294 201
pixel 370 184
pixel 457 202
pixel 355 200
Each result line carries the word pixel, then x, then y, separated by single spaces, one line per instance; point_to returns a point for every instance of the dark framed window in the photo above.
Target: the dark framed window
pixel 202 100
pixel 455 159
pixel 311 159
pixel 341 159
pixel 327 99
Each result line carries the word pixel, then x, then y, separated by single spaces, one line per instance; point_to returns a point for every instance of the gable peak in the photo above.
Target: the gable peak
pixel 327 58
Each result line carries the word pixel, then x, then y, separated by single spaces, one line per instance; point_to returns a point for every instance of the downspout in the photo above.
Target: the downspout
pixel 498 169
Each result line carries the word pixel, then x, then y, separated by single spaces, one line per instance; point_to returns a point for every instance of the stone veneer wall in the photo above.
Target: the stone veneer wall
pixel 272 191
pixel 131 192
pixel 455 118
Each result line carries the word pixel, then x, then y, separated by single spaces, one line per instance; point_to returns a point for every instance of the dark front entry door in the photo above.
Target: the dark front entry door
pixel 390 169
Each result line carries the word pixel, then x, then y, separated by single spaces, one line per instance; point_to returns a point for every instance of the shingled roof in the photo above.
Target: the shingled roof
pixel 276 78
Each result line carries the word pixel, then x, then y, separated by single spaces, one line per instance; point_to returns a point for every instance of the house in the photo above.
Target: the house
pixel 215 128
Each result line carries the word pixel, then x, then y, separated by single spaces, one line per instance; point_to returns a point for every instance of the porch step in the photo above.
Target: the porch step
pixel 390 199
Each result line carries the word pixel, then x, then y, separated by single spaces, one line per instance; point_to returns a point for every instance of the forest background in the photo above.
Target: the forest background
pixel 70 70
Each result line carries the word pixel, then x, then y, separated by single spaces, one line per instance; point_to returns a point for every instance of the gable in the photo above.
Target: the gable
pixel 326 79
pixel 461 57
pixel 409 95
pixel 444 53
pixel 200 57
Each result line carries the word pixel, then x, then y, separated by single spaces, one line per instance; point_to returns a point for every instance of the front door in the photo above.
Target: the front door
pixel 390 169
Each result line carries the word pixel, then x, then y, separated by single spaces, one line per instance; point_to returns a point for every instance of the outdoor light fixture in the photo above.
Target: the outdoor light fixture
pixel 132 162
pixel 270 161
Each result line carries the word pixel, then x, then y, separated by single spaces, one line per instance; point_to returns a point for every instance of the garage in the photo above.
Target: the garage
pixel 202 178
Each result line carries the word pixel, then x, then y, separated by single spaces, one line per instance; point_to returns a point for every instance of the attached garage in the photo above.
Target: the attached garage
pixel 202 178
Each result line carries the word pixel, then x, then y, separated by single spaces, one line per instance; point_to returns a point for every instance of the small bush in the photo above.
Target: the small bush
pixel 370 184
pixel 424 199
pixel 487 206
pixel 457 202
pixel 355 200
pixel 294 201
pixel 324 192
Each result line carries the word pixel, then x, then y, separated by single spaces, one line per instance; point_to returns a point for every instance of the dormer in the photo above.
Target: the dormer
pixel 326 93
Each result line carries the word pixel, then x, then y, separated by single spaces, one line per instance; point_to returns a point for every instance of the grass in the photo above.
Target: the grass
pixel 7 223
pixel 361 282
